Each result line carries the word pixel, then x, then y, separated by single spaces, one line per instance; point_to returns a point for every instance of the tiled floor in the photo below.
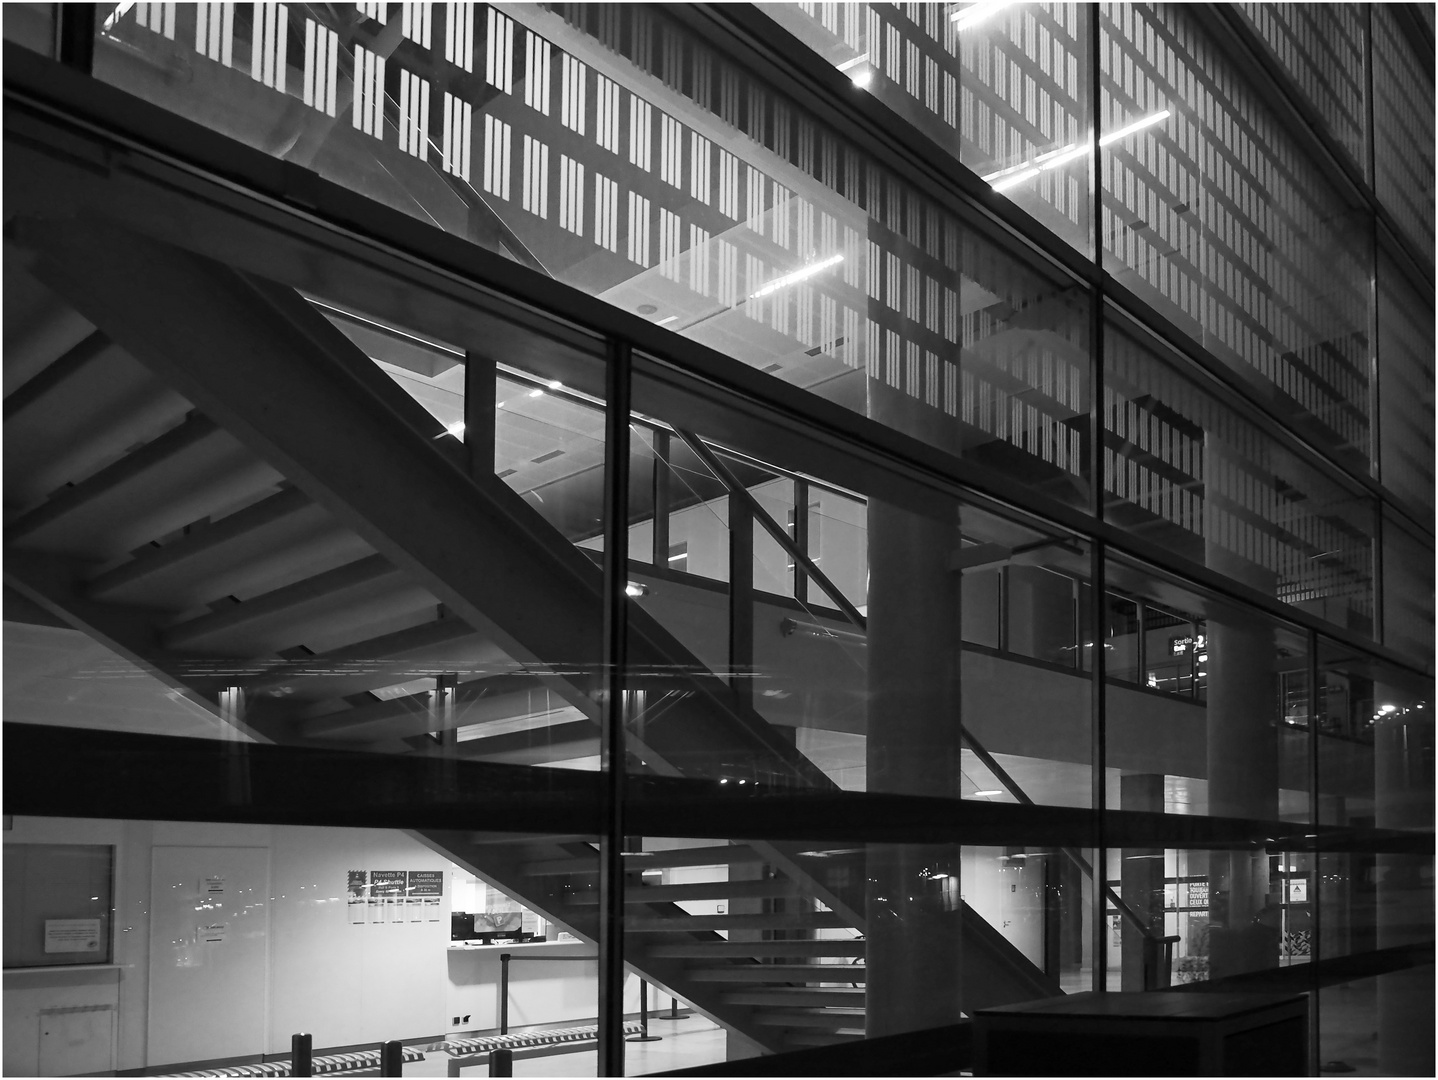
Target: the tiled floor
pixel 682 1043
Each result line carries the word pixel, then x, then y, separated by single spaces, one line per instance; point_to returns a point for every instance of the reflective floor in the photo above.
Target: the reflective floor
pixel 682 1043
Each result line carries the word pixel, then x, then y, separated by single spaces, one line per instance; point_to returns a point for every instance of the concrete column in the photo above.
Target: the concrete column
pixel 1403 790
pixel 1242 714
pixel 1140 878
pixel 913 748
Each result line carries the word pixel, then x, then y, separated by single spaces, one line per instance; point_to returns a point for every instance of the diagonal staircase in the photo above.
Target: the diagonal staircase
pixel 208 477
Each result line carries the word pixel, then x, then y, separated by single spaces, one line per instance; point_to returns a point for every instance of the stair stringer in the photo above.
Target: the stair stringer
pixel 501 866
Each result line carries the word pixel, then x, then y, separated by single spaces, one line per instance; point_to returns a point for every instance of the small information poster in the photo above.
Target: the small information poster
pixel 386 895
pixel 213 933
pixel 1298 891
pixel 358 897
pixel 72 935
pixel 426 889
pixel 213 885
pixel 1198 894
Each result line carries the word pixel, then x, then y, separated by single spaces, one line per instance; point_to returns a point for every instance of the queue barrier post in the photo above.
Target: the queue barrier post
pixel 501 1063
pixel 302 1054
pixel 391 1058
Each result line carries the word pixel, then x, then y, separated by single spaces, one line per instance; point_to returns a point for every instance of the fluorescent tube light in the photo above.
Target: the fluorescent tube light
pixel 1137 125
pixel 1014 179
pixel 976 13
pixel 847 64
pixel 797 276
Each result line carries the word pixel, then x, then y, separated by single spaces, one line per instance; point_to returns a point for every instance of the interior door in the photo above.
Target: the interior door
pixel 209 949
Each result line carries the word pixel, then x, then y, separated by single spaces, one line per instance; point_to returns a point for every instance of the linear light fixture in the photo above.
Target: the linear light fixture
pixel 797 276
pixel 847 64
pixel 976 13
pixel 1011 177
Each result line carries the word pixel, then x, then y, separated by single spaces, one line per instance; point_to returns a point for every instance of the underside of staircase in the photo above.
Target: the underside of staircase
pixel 207 475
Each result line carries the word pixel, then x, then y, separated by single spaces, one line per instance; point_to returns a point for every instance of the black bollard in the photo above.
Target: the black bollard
pixel 302 1055
pixel 675 1012
pixel 504 959
pixel 501 1063
pixel 643 1035
pixel 391 1058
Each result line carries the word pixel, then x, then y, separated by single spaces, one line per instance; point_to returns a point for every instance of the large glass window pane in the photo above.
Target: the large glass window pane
pixel 381 556
pixel 1320 47
pixel 1405 387
pixel 605 146
pixel 1407 592
pixel 31 25
pixel 353 936
pixel 1375 750
pixel 895 674
pixel 1208 484
pixel 1002 87
pixel 1403 128
pixel 1213 215
pixel 804 943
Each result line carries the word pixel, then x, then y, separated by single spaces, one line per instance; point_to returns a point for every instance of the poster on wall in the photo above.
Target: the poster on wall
pixel 358 894
pixel 72 935
pixel 386 895
pixel 212 933
pixel 426 888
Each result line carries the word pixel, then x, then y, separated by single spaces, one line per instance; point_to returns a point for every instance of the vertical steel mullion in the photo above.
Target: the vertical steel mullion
pixel 75 36
pixel 801 539
pixel 480 403
pixel 1097 551
pixel 661 500
pixel 741 600
pixel 611 848
pixel 1316 905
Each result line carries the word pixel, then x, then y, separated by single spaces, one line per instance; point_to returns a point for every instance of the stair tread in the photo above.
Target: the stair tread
pixel 715 949
pixel 836 1018
pixel 839 973
pixel 814 920
pixel 652 860
pixel 703 890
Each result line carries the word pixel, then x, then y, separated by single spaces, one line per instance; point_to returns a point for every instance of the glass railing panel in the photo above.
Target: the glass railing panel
pixel 561 138
pixel 1002 87
pixel 1214 216
pixel 1187 472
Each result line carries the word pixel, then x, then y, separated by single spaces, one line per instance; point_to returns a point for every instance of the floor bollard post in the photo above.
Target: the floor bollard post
pixel 643 1035
pixel 504 959
pixel 501 1063
pixel 391 1058
pixel 674 1012
pixel 302 1055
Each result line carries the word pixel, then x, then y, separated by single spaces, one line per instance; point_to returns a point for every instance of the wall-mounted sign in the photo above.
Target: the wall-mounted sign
pixel 213 885
pixel 394 896
pixel 1198 894
pixel 72 936
pixel 212 932
pixel 1181 645
pixel 1298 891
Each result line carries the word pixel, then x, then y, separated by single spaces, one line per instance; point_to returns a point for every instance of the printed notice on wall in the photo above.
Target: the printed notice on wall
pixel 72 935
pixel 386 896
pixel 426 888
pixel 212 932
pixel 358 897
pixel 212 885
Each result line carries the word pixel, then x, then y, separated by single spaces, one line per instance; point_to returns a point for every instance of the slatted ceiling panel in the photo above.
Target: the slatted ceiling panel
pixel 1403 129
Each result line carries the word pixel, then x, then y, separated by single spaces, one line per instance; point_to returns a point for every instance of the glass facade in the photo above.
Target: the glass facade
pixel 696 500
